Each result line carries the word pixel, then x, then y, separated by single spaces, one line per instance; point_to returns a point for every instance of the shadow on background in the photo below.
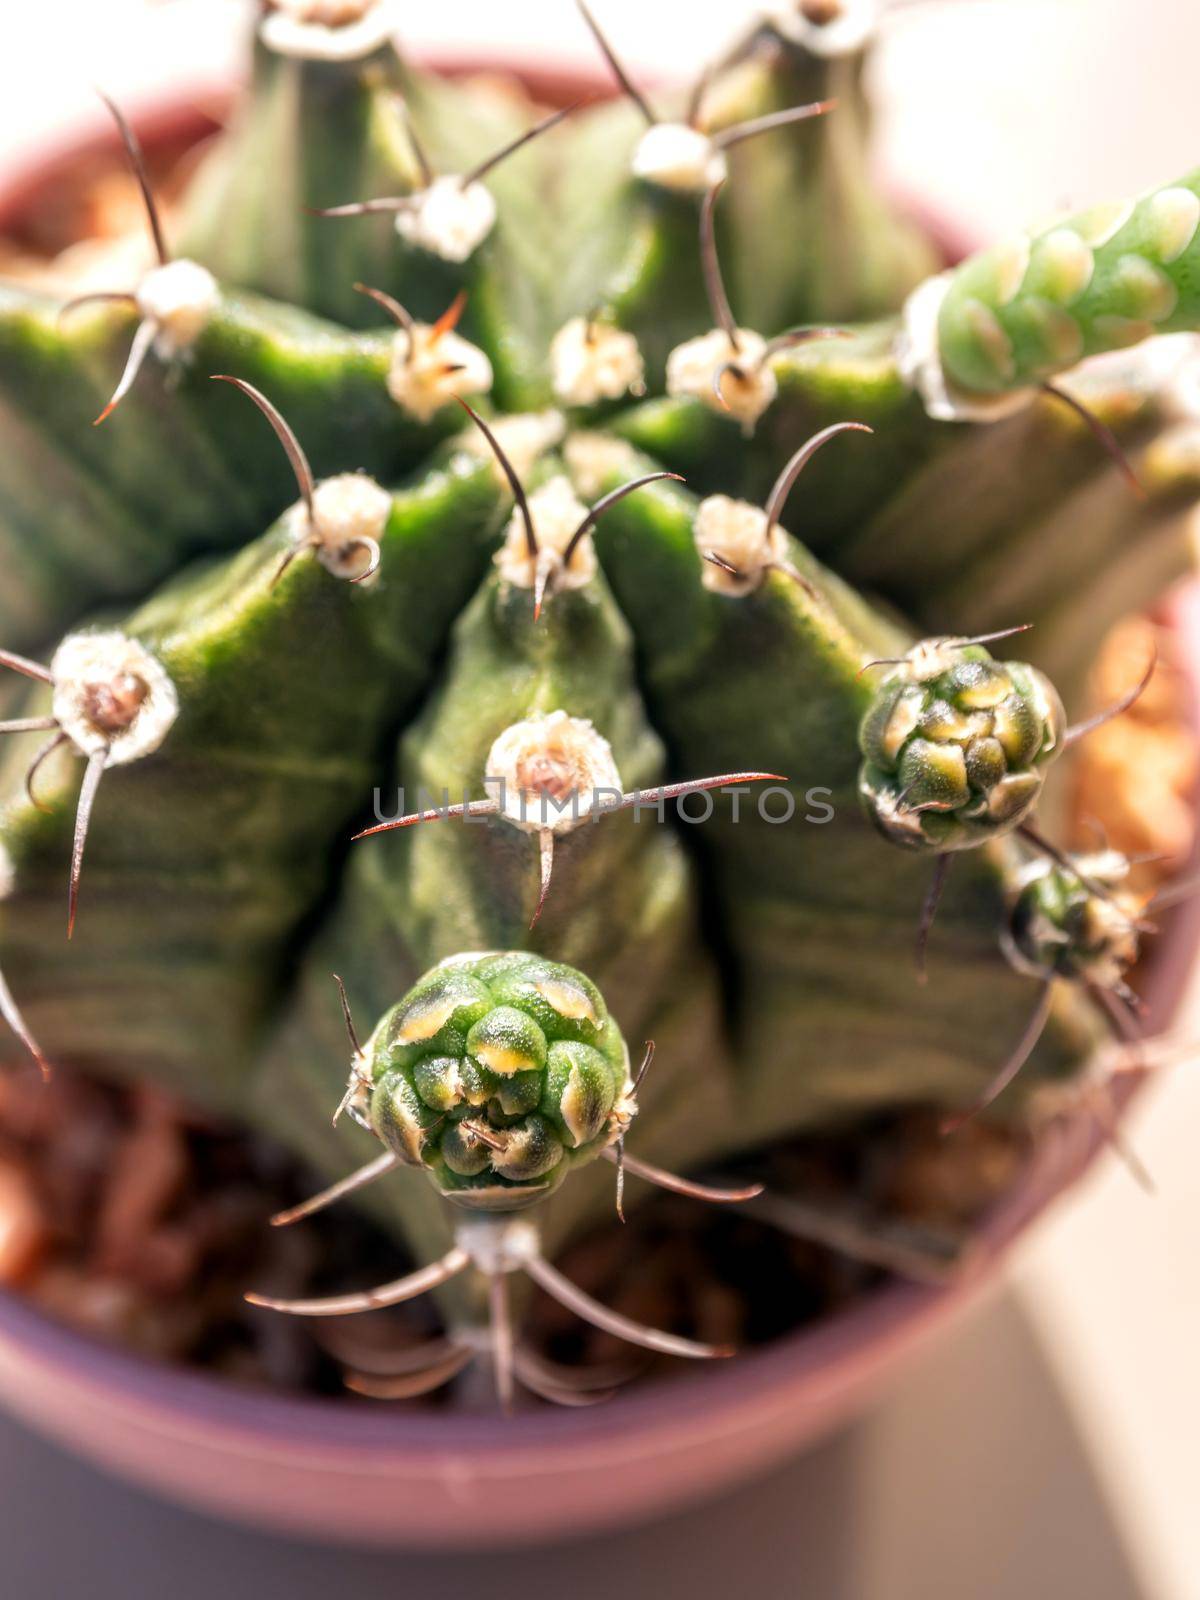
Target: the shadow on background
pixel 970 1483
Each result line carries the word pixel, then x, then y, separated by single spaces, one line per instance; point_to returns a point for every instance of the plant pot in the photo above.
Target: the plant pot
pixel 392 1476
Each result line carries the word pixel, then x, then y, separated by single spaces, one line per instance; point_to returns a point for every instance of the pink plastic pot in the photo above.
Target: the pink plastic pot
pixel 393 1476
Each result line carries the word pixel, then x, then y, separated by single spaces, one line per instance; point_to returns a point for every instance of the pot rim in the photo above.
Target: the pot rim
pixel 719 1401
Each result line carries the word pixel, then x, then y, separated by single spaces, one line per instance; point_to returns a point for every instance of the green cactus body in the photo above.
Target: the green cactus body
pixel 419 896
pixel 179 957
pixel 791 899
pixel 766 954
pixel 1077 923
pixel 90 517
pixel 335 134
pixel 817 185
pixel 1100 280
pixel 956 746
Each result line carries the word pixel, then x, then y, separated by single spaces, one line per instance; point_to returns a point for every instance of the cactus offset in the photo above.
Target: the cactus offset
pixel 515 554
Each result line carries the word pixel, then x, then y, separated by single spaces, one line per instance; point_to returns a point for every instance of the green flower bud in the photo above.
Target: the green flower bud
pixel 1060 927
pixel 955 746
pixel 497 1073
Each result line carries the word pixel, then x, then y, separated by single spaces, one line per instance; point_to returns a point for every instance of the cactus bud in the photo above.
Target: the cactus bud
pixel 496 1074
pixel 955 746
pixel 981 338
pixel 1060 926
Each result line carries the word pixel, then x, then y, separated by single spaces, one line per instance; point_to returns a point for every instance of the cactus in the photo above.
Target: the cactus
pixel 506 542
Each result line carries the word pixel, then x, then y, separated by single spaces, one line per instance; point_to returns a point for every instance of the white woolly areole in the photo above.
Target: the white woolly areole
pixel 111 694
pixel 448 220
pixel 327 30
pixel 593 459
pixel 847 31
pixel 180 299
pixel 502 1245
pixel 932 657
pixel 350 513
pixel 691 368
pixel 591 361
pixel 555 513
pixel 430 368
pixel 552 772
pixel 625 1108
pixel 359 1088
pixel 677 157
pixel 736 531
pixel 524 438
pixel 919 358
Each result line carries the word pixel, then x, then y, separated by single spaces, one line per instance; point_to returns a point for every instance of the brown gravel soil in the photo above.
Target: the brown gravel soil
pixel 128 1216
